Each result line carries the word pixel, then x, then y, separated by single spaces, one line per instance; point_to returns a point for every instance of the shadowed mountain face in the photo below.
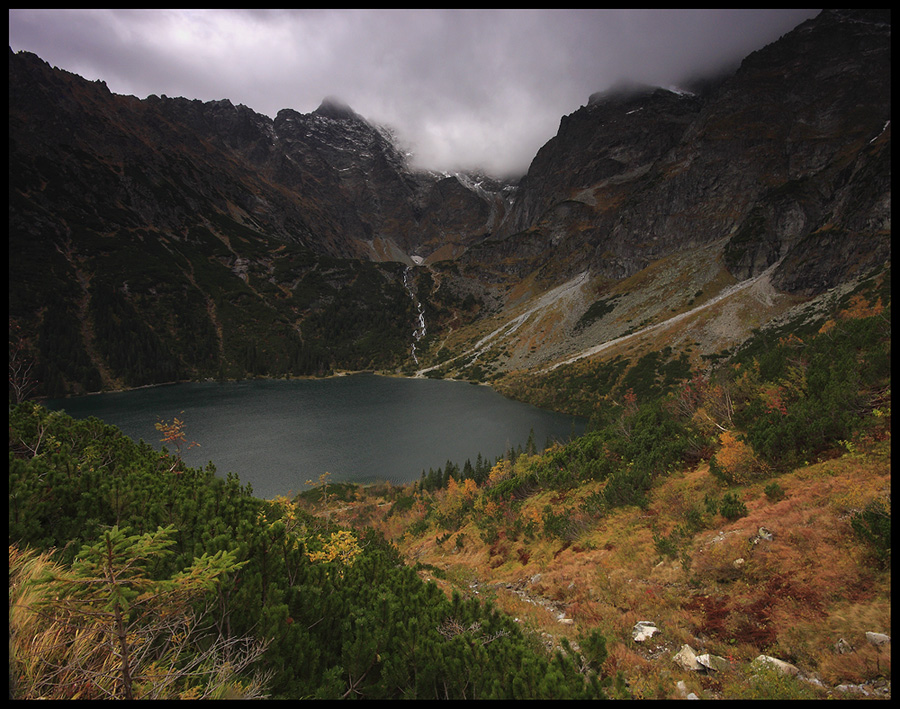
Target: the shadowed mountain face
pixel 791 150
pixel 327 180
pixel 161 239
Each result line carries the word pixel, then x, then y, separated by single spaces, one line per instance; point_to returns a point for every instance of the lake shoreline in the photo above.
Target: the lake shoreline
pixel 309 377
pixel 363 427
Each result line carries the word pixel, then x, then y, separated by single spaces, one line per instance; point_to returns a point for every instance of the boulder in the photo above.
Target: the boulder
pixel 762 535
pixel 713 662
pixel 780 665
pixel 687 658
pixel 643 630
pixel 878 639
pixel 842 647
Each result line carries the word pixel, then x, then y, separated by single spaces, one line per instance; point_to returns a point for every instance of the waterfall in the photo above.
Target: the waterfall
pixel 419 331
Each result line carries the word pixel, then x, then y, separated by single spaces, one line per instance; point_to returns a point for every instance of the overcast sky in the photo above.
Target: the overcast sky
pixel 461 88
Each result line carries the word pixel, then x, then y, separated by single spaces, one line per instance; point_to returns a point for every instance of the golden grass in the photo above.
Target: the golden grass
pixel 47 657
pixel 793 596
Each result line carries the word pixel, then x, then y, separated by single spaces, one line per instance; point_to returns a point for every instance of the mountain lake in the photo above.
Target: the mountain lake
pixel 361 428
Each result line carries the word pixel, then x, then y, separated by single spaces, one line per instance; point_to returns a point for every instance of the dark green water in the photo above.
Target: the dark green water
pixel 363 428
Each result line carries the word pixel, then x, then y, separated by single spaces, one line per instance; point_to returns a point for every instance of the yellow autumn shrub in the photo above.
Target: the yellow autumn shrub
pixel 736 459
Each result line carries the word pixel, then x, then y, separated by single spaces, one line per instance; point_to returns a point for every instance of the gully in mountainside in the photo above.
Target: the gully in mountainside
pixel 419 331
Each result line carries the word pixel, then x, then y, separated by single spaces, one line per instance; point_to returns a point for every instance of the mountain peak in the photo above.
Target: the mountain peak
pixel 623 89
pixel 332 107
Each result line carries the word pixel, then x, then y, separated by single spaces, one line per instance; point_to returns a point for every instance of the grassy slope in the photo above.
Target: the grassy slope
pixel 793 597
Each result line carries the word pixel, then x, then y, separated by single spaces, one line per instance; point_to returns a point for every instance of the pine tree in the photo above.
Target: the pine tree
pixel 114 632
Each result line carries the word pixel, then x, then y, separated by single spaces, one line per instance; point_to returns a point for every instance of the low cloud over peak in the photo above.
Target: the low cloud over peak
pixel 461 88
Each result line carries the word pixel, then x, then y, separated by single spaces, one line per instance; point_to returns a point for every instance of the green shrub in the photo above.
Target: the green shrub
pixel 593 649
pixel 774 492
pixel 418 527
pixel 732 507
pixel 559 524
pixel 666 546
pixel 801 396
pixel 873 526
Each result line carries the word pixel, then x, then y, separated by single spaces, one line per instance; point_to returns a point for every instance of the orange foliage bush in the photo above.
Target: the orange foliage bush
pixel 859 308
pixel 455 496
pixel 736 459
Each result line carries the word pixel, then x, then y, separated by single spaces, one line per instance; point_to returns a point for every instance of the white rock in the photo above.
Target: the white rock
pixel 712 662
pixel 878 638
pixel 643 630
pixel 682 689
pixel 687 658
pixel 782 666
pixel 852 689
pixel 842 647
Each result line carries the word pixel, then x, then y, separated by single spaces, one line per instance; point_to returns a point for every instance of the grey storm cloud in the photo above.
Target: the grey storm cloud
pixel 460 88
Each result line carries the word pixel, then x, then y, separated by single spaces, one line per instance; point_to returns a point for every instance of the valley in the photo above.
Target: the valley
pixel 703 273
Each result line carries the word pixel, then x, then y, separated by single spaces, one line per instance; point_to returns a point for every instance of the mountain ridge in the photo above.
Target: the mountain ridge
pixel 782 166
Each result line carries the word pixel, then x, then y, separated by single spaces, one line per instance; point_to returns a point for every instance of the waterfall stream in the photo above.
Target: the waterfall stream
pixel 419 331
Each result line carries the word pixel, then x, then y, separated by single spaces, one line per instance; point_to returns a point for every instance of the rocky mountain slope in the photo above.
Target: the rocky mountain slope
pixel 219 242
pixel 662 208
pixel 793 144
pixel 688 595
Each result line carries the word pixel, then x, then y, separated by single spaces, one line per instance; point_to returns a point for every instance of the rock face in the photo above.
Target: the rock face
pixel 612 141
pixel 789 158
